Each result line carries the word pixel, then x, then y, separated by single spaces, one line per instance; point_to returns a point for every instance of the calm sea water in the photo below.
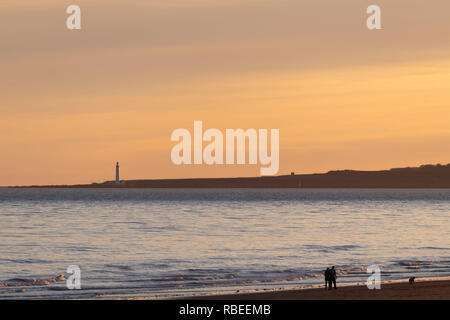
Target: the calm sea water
pixel 170 242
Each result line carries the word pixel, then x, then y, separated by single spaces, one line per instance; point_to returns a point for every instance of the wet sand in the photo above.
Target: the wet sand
pixel 426 290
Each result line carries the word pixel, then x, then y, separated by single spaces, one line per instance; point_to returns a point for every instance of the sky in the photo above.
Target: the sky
pixel 73 102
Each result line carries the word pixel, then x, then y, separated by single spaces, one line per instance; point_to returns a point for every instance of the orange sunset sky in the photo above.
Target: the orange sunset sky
pixel 75 102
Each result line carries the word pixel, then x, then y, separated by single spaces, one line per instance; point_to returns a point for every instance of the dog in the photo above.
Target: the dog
pixel 411 280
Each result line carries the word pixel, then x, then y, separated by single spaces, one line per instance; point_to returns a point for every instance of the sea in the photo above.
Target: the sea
pixel 172 243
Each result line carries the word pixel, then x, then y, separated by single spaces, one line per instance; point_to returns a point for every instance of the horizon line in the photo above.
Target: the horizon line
pixel 236 177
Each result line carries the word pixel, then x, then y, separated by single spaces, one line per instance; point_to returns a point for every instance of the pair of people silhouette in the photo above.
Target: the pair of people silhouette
pixel 330 278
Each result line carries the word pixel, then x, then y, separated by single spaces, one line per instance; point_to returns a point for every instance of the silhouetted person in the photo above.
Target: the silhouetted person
pixel 327 275
pixel 332 279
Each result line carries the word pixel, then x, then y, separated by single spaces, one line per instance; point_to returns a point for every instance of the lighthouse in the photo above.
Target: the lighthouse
pixel 117 173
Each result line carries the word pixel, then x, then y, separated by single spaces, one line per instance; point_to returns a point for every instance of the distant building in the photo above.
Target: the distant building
pixel 117 173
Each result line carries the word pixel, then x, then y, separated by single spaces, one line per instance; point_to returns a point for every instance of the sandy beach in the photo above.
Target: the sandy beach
pixel 426 290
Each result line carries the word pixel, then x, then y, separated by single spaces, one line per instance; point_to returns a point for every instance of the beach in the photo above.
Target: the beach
pixel 424 290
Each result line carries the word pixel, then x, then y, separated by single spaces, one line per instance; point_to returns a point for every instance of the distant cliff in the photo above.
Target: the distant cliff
pixel 426 176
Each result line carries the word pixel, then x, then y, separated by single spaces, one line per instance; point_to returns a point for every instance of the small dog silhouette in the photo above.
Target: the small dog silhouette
pixel 411 280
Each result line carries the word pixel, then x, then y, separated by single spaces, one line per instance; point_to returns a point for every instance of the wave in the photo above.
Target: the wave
pixel 322 248
pixel 413 263
pixel 25 282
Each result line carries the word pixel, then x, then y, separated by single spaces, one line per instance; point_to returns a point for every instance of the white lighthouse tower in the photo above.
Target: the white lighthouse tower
pixel 117 173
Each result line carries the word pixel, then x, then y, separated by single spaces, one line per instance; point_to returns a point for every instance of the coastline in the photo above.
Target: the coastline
pixel 423 177
pixel 433 289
